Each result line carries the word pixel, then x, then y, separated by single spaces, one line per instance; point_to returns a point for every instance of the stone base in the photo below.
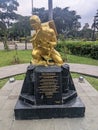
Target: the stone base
pixel 73 108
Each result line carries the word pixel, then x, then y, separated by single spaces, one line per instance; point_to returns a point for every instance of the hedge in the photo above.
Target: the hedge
pixel 82 48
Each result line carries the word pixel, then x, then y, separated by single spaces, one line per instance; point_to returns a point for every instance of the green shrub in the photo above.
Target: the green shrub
pixel 94 52
pixel 82 48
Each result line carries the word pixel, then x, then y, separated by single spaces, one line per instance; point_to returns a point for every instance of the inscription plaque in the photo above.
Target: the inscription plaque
pixel 48 86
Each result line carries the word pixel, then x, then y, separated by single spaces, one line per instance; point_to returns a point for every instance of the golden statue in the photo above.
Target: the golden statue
pixel 44 40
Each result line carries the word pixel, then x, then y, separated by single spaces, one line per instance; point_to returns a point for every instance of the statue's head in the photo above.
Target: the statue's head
pixel 35 22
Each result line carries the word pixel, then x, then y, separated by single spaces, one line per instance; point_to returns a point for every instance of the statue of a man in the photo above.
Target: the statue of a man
pixel 44 40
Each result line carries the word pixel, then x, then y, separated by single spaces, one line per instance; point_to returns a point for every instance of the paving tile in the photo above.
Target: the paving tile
pixel 92 112
pixel 9 105
pixel 83 124
pixel 86 100
pixel 6 124
pixel 2 101
pixel 91 124
pixel 33 125
pixel 61 124
pixel 8 99
pixel 6 119
pixel 8 86
pixel 76 123
pixel 17 87
pixel 5 92
pixel 94 99
pixel 6 114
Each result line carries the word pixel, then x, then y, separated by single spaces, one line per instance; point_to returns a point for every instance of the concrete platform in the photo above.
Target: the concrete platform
pixel 9 95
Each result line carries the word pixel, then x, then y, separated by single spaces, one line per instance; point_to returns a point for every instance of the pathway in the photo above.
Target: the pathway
pixel 12 70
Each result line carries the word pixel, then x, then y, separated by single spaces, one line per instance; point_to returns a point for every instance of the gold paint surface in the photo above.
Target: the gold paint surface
pixel 44 41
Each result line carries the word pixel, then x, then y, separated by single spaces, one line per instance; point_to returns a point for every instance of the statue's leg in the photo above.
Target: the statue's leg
pixel 36 53
pixel 38 57
pixel 56 57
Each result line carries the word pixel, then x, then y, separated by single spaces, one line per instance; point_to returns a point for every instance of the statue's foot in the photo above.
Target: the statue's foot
pixel 41 62
pixel 50 63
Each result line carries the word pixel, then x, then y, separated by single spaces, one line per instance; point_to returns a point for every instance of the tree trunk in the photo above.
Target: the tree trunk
pixel 5 41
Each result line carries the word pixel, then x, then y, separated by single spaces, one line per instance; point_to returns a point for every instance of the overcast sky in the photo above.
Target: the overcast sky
pixel 85 8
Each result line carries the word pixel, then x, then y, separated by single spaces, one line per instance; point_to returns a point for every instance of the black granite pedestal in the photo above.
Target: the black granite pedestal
pixel 48 92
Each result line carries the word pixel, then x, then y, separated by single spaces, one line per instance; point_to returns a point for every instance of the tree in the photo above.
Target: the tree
pixel 95 27
pixel 64 19
pixel 42 13
pixel 85 33
pixel 21 28
pixel 7 15
pixel 86 26
pixel 66 22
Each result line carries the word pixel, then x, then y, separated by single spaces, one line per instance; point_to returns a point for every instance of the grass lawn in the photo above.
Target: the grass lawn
pixel 91 80
pixel 24 56
pixel 11 57
pixel 2 82
pixel 79 59
pixel 17 77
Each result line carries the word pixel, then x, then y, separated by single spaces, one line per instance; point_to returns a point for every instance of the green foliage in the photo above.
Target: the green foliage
pixel 65 20
pixel 2 82
pixel 42 13
pixel 25 56
pixel 81 60
pixel 67 23
pixel 7 15
pixel 85 34
pixel 94 51
pixel 95 27
pixel 82 48
pixel 10 57
pixel 7 11
pixel 21 28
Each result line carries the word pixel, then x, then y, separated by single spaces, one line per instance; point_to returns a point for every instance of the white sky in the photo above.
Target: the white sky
pixel 85 8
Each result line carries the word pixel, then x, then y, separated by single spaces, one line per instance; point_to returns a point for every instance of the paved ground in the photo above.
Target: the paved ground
pixel 84 69
pixel 8 97
pixel 10 92
pixel 9 71
pixel 21 46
